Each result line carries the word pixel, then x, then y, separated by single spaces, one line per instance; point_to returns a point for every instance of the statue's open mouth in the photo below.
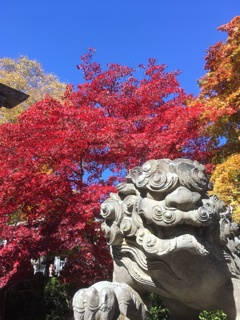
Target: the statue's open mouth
pixel 166 240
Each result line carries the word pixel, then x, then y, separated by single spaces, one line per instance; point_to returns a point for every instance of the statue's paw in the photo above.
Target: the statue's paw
pixel 106 301
pixel 95 305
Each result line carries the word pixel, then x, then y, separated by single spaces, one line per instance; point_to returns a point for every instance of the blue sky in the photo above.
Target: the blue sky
pixel 56 32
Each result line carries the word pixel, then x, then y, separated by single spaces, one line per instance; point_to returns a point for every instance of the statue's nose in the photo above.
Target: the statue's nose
pixel 182 199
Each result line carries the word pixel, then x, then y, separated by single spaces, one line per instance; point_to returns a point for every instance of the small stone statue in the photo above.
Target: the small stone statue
pixel 170 237
pixel 106 300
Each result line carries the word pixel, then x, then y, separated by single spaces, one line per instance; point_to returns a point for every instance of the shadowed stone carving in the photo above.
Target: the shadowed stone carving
pixel 168 236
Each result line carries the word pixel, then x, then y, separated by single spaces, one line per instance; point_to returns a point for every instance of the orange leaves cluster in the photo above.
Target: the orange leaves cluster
pixel 220 100
pixel 222 63
pixel 220 91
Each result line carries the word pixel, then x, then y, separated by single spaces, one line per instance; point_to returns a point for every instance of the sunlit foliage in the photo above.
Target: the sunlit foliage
pixel 60 159
pixel 27 76
pixel 220 93
pixel 226 179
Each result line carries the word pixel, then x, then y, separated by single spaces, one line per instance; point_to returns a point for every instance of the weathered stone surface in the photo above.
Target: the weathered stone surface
pixel 168 236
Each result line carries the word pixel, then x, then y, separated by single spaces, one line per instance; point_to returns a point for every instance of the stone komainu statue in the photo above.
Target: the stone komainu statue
pixel 167 236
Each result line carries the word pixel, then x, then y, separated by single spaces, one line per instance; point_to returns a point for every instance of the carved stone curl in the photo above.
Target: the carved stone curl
pixel 169 236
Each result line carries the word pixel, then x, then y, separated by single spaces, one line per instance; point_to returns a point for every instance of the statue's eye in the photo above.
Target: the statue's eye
pixel 195 170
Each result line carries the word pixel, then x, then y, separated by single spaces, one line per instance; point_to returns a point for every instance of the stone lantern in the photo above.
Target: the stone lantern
pixel 10 98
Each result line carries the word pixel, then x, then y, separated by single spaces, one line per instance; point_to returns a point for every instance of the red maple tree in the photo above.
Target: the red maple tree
pixel 59 161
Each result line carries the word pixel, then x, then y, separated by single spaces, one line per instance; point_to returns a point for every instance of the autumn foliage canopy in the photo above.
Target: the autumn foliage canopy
pixel 61 158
